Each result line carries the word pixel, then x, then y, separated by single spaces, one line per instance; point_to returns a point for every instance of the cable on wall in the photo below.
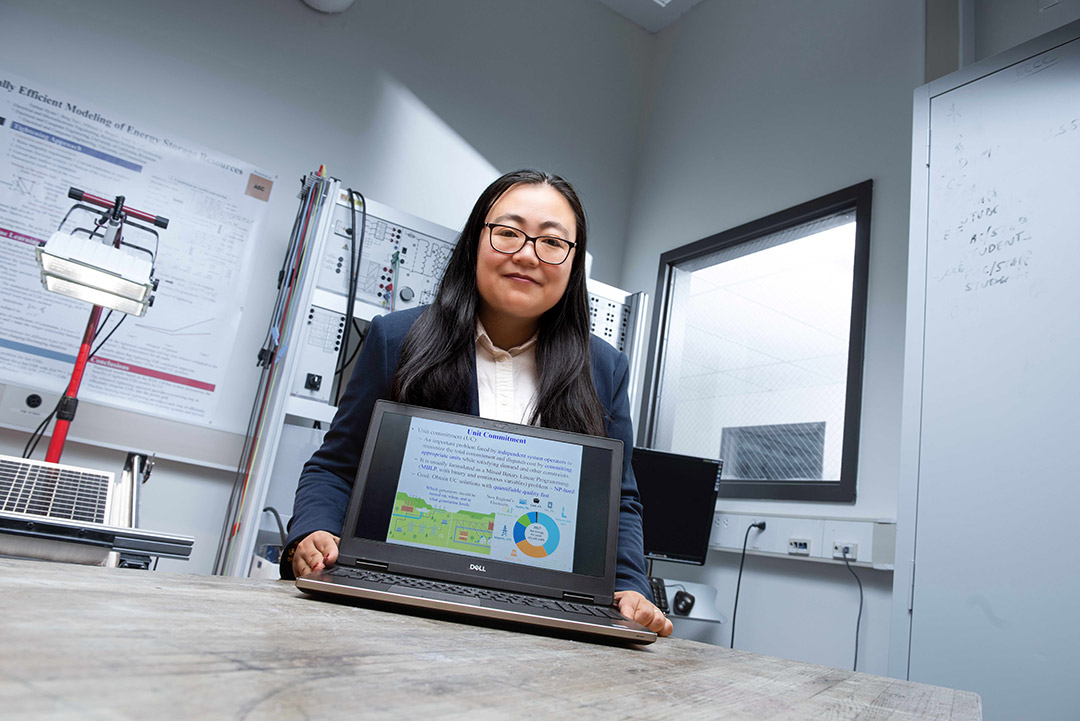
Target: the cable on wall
pixel 760 525
pixel 858 621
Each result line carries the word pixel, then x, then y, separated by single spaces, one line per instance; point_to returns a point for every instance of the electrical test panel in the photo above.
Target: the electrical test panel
pixel 401 262
pixel 398 260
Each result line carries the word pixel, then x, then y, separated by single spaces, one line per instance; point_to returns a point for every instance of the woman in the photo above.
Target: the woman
pixel 507 338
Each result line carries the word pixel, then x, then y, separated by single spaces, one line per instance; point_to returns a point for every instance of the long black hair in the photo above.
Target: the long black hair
pixel 436 364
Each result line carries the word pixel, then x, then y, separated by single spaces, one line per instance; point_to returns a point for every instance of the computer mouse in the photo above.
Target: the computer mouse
pixel 683 602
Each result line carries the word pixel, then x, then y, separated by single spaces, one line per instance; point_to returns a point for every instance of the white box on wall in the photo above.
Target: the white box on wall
pixel 873 540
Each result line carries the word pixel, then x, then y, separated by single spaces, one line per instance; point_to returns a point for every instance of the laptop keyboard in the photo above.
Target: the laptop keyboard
pixel 472 592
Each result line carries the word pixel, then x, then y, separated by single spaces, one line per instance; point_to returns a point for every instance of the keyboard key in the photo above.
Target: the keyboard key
pixel 609 612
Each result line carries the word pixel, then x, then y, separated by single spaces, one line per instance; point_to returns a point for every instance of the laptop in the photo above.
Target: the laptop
pixel 485 519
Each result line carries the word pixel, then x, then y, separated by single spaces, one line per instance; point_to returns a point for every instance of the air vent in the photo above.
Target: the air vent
pixel 787 452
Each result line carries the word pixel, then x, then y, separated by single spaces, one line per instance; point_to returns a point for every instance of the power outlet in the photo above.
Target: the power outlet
pixel 798 546
pixel 839 547
pixel 25 407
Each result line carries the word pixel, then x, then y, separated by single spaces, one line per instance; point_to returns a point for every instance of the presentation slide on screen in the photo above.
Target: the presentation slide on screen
pixel 488 494
pixel 172 361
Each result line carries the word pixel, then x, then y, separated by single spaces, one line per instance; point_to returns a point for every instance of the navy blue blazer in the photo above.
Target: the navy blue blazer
pixel 322 496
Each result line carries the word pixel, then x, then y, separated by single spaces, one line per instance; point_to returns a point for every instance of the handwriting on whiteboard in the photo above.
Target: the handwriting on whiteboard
pixel 1064 128
pixel 991 242
pixel 1036 65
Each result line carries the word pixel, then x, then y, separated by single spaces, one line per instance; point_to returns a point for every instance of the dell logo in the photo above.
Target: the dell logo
pixel 474 567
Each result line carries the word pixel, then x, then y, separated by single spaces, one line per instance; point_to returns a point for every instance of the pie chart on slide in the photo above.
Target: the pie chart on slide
pixel 536 534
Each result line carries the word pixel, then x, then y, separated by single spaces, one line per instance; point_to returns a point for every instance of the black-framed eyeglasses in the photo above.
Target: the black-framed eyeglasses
pixel 550 249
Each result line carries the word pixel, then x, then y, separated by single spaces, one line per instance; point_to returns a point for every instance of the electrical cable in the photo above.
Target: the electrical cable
pixel 294 236
pixel 286 275
pixel 106 340
pixel 266 355
pixel 858 621
pixel 256 413
pixel 350 296
pixel 89 233
pixel 39 432
pixel 297 257
pixel 101 325
pixel 355 352
pixel 350 299
pixel 356 254
pixel 280 526
pixel 760 525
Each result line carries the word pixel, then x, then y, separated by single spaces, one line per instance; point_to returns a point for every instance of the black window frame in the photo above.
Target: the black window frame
pixel 855 198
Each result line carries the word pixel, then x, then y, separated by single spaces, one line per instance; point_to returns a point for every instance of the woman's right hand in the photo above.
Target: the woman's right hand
pixel 315 552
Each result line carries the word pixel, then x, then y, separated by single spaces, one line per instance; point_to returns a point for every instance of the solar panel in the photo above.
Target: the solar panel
pixel 77 515
pixel 53 490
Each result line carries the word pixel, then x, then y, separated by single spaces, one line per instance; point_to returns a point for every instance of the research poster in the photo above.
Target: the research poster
pixel 171 361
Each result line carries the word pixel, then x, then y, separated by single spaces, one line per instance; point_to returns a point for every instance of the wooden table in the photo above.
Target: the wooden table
pixel 80 642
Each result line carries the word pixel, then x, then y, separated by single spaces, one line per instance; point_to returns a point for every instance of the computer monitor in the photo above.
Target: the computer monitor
pixel 678 494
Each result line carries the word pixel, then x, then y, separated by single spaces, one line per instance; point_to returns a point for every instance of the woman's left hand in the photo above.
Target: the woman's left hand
pixel 638 608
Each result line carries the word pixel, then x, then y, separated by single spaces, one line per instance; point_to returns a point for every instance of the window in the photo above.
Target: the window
pixel 757 351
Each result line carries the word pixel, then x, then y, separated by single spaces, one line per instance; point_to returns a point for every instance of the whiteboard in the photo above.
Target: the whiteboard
pixel 996 409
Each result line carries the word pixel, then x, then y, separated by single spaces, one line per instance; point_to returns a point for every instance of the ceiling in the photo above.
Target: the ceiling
pixel 651 14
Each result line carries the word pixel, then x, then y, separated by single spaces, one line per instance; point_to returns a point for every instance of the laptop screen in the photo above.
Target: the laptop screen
pixel 496 492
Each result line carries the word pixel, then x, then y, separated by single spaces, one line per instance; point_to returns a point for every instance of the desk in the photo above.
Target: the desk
pixel 81 642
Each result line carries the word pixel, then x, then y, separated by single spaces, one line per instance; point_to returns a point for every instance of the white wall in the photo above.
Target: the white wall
pixel 418 104
pixel 759 107
pixel 802 610
pixel 1003 24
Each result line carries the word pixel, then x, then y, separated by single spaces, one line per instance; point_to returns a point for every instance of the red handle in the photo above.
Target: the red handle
pixel 76 194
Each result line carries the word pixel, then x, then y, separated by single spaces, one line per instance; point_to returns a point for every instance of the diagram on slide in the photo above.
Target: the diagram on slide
pixel 536 534
pixel 416 521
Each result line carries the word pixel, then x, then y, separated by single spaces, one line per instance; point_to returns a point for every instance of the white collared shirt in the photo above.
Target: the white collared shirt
pixel 506 380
